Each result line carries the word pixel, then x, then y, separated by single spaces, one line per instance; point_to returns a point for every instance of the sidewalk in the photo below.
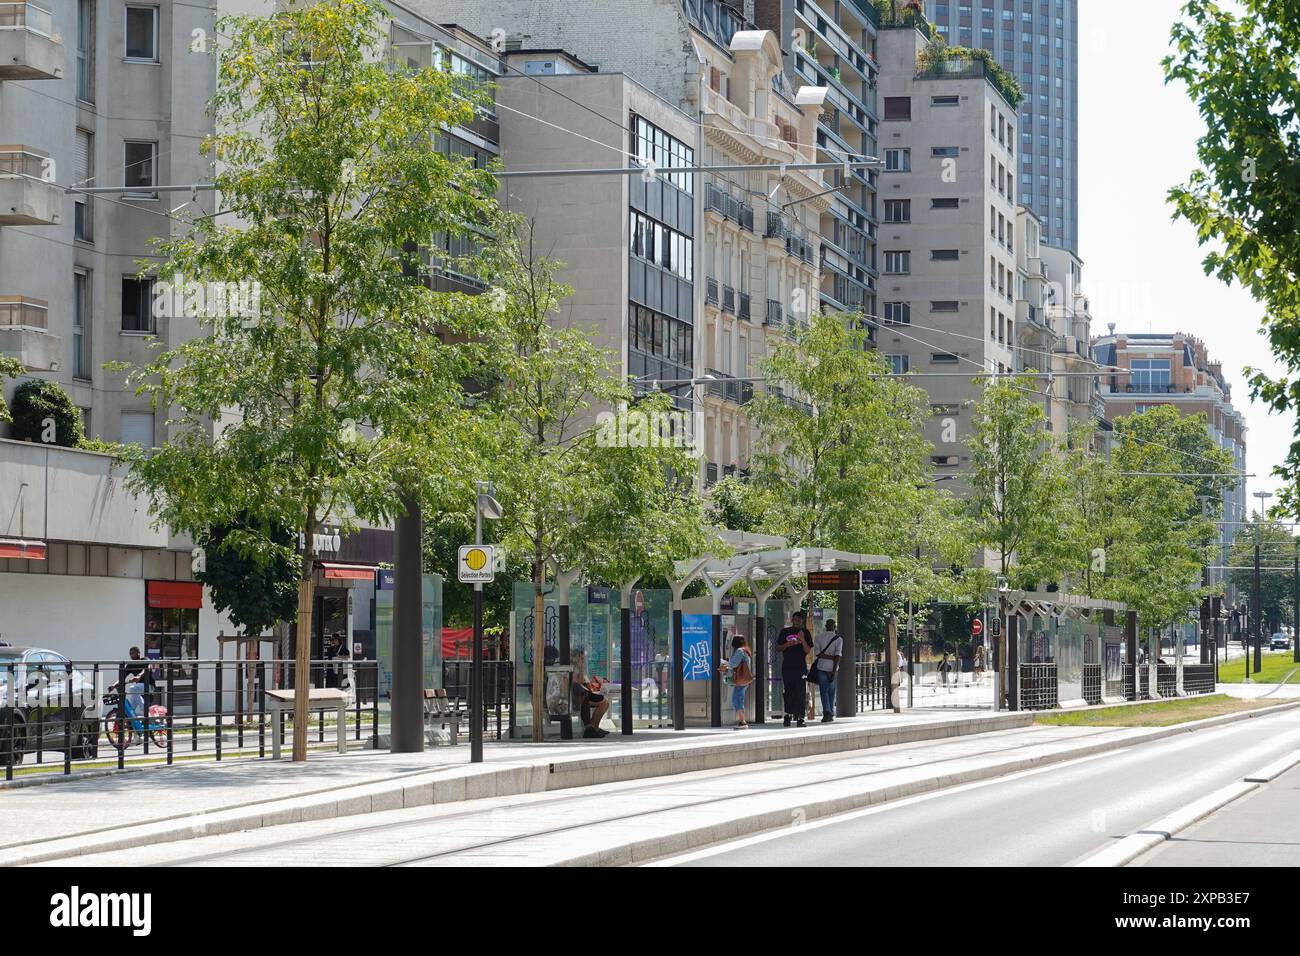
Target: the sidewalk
pixel 74 816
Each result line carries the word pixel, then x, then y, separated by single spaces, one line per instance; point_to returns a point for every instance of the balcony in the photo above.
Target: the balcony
pixel 711 292
pixel 728 388
pixel 24 335
pixel 799 248
pixel 728 299
pixel 775 313
pixel 30 48
pixel 776 226
pixel 744 306
pixel 27 197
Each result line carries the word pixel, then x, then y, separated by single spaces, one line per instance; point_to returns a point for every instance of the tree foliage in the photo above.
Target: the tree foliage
pixel 1278 549
pixel 37 401
pixel 252 573
pixel 1241 66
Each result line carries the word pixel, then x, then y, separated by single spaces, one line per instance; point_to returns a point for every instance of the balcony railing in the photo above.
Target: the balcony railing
pixel 744 306
pixel 1139 388
pixel 26 16
pixel 24 161
pixel 17 310
pixel 800 248
pixel 728 299
pixel 728 387
pixel 776 227
pixel 775 313
pixel 711 291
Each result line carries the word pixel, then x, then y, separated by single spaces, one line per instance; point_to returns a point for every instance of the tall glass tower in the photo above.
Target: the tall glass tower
pixel 1038 41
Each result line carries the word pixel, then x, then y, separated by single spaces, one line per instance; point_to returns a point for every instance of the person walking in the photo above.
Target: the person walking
pixel 792 644
pixel 827 651
pixel 978 665
pixel 740 674
pixel 945 666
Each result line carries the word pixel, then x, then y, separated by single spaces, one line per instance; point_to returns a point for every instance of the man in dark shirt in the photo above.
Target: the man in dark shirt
pixel 792 644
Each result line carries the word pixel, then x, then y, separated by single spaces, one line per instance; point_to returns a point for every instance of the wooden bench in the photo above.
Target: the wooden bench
pixel 438 710
pixel 318 698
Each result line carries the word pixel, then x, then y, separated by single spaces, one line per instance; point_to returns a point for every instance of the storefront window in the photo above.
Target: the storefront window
pixel 172 633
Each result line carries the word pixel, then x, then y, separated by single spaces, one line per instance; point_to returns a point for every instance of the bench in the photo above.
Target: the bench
pixel 438 710
pixel 318 698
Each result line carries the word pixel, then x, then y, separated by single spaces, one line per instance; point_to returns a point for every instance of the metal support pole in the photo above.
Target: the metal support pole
pixel 476 655
pixel 1259 616
pixel 911 647
pixel 679 683
pixel 1013 662
pixel 846 691
pixel 625 668
pixel 1131 638
pixel 1295 607
pixel 407 697
pixel 760 665
pixel 715 678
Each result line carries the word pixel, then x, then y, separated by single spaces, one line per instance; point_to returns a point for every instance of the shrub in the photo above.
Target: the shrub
pixel 38 401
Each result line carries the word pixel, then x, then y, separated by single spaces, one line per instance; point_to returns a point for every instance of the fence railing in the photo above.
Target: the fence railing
pixel 170 709
pixel 1198 678
pixel 498 692
pixel 872 680
pixel 1038 689
pixel 1092 683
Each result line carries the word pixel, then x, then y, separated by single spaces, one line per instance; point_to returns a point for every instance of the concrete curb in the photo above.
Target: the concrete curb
pixel 657 848
pixel 472 782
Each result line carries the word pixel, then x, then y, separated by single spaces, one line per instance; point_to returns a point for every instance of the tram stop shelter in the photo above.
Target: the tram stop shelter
pixel 767 564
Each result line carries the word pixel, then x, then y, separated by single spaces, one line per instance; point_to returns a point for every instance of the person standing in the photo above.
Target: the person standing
pixel 740 674
pixel 828 649
pixel 944 666
pixel 792 644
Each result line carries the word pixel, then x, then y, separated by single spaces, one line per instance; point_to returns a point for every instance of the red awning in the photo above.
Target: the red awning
pixel 186 594
pixel 347 572
pixel 22 550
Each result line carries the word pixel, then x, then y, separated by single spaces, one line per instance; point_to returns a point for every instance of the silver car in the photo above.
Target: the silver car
pixel 54 703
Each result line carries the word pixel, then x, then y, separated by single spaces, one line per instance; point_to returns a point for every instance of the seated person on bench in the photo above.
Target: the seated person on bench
pixel 588 696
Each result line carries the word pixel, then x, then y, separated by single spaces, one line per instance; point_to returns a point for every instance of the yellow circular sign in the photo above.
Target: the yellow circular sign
pixel 475 559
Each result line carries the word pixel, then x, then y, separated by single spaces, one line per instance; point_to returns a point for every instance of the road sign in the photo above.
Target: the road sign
pixel 995 627
pixel 877 577
pixel 977 627
pixel 477 564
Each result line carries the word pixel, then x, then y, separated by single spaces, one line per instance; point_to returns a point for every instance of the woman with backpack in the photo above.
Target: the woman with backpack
pixel 740 672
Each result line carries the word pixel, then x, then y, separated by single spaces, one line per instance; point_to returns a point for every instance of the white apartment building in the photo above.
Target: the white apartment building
pixel 948 238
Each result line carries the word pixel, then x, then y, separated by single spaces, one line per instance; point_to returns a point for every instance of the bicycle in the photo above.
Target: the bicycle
pixel 121 732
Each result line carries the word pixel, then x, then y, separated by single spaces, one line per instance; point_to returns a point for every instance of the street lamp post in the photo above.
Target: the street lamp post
pixel 1263 496
pixel 485 506
pixel 1295 606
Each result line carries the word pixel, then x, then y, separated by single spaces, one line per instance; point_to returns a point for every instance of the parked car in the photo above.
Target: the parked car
pixel 1279 641
pixel 49 694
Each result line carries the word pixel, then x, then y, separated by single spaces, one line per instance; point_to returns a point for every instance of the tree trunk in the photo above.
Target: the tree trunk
pixel 302 655
pixel 539 653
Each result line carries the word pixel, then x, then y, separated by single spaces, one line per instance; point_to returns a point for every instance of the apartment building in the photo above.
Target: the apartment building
pixel 1054 322
pixel 109 93
pixel 1143 370
pixel 832 44
pixel 1038 41
pixel 948 284
pixel 707 293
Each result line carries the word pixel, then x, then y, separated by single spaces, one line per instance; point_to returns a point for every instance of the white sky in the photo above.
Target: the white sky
pixel 1142 271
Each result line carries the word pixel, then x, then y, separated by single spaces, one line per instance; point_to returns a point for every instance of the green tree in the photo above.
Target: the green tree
pixel 252 573
pixel 9 368
pixel 1166 490
pixel 1277 550
pixel 1087 529
pixel 1016 483
pixel 1241 66
pixel 38 401
pixel 736 503
pixel 339 393
pixel 577 490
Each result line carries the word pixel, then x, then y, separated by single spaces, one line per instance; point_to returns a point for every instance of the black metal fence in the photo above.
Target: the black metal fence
pixel 1198 678
pixel 872 679
pixel 1092 683
pixel 1038 690
pixel 169 709
pixel 498 692
pixel 1166 680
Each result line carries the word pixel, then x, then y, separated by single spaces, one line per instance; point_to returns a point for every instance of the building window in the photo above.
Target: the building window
pixel 943 305
pixel 941 152
pixel 83 175
pixel 666 248
pixel 898 160
pixel 86 50
pixel 898 107
pixel 137 304
pixel 650 143
pixel 944 255
pixel 943 358
pixel 898 210
pixel 137 429
pixel 142 34
pixel 140 162
pixel 898 364
pixel 952 100
pixel 80 323
pixel 945 203
pixel 898 263
pixel 898 313
pixel 1151 375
